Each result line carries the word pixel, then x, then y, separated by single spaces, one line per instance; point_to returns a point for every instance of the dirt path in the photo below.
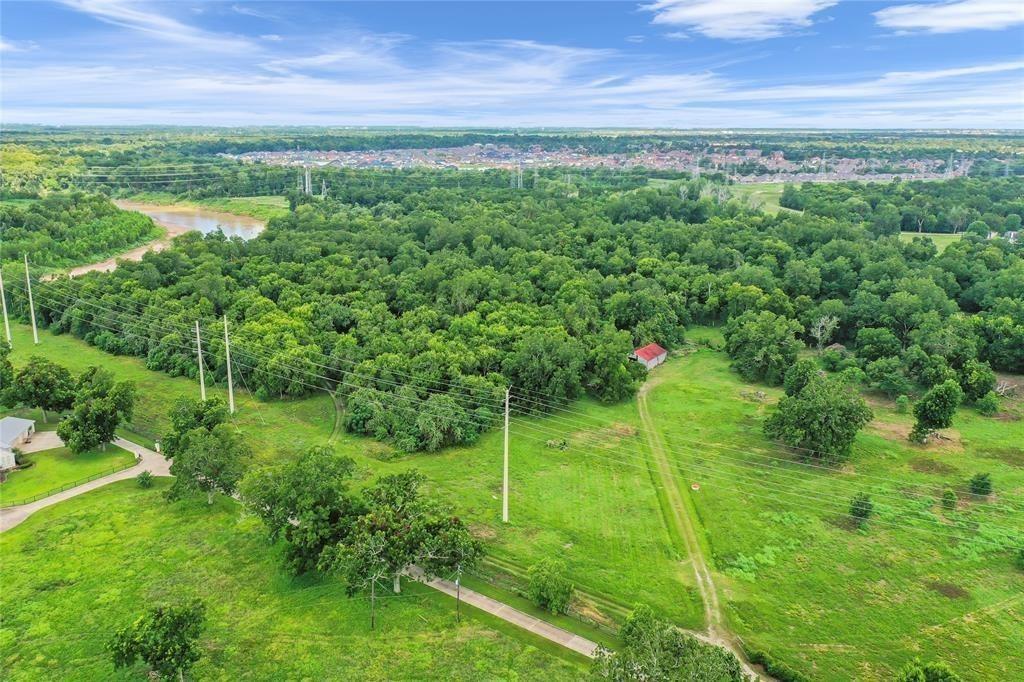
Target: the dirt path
pixel 681 517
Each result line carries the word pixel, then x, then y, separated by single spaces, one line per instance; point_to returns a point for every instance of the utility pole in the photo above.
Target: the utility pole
pixel 227 359
pixel 31 305
pixel 504 485
pixel 3 297
pixel 199 355
pixel 309 182
pixel 323 188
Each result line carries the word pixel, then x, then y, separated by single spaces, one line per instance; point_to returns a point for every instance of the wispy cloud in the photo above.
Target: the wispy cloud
pixel 147 19
pixel 953 17
pixel 249 11
pixel 16 45
pixel 738 19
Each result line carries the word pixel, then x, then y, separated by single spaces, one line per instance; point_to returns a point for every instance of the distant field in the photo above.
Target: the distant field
pixel 263 207
pixel 75 572
pixel 762 195
pixel 941 239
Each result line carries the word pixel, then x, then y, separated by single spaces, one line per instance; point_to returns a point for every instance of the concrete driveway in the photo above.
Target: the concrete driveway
pixel 42 440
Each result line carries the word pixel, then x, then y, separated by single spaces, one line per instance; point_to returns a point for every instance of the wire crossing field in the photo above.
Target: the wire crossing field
pixel 823 597
pixel 76 571
pixel 796 578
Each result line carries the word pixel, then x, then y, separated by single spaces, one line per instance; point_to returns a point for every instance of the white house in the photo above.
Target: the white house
pixel 650 356
pixel 13 432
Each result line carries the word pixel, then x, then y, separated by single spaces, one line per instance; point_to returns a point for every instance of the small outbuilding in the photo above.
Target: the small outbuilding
pixel 13 432
pixel 650 356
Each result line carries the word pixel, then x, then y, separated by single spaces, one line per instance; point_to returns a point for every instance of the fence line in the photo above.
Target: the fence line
pixel 73 484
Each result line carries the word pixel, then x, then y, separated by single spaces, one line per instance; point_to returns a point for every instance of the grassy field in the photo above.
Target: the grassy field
pixel 76 571
pixel 762 195
pixel 941 239
pixel 828 599
pixel 560 501
pixel 796 578
pixel 262 207
pixel 52 469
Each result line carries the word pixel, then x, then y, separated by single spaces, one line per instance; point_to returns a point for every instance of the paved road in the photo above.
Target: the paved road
pixel 149 461
pixel 527 622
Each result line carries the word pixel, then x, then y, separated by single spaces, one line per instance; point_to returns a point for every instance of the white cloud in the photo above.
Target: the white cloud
pixel 143 18
pixel 953 17
pixel 738 19
pixel 16 45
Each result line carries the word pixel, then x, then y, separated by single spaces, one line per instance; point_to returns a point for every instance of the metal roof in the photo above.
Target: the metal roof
pixel 12 428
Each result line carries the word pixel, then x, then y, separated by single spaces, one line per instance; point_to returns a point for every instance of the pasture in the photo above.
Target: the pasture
pixel 75 572
pixel 940 239
pixel 795 577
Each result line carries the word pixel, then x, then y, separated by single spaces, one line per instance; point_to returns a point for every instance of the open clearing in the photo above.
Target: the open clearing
pixel 78 570
pixel 941 239
pixel 762 195
pixel 794 578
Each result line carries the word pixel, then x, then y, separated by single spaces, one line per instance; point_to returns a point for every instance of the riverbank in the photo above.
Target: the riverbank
pixel 262 207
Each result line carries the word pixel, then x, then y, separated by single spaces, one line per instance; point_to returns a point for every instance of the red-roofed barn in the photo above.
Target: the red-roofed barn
pixel 650 356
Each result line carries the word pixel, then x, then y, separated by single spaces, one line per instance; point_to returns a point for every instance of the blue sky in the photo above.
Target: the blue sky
pixel 658 63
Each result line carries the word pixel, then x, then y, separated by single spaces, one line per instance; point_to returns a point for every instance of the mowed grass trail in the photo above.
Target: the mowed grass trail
pixel 75 572
pixel 827 599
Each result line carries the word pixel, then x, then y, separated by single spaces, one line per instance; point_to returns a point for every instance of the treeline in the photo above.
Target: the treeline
pixel 964 204
pixel 70 229
pixel 421 310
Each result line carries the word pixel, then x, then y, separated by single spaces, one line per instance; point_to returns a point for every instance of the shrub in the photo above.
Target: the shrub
pixel 903 404
pixel 799 375
pixel 988 404
pixel 831 359
pixel 948 499
pixel 549 588
pixel 860 508
pixel 981 485
pixel 144 479
pixel 1020 558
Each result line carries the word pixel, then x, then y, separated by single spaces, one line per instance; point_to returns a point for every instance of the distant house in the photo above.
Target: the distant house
pixel 650 356
pixel 1012 236
pixel 13 432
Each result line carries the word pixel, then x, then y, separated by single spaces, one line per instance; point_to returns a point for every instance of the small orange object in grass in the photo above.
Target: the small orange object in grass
pixel 695 486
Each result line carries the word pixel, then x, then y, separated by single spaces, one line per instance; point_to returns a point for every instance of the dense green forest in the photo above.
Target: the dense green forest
pixel 435 299
pixel 954 206
pixel 69 229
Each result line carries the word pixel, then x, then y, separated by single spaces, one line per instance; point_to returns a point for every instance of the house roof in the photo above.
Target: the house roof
pixel 11 428
pixel 649 352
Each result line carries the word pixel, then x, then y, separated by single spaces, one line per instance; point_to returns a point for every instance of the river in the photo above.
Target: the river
pixel 176 220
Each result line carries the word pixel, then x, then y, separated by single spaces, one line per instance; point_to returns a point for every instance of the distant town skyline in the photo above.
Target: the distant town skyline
pixel 662 63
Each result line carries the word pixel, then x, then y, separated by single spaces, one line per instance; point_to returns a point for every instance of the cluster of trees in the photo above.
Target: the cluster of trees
pixel 653 649
pixel 97 403
pixel 68 229
pixel 420 305
pixel 366 537
pixel 972 205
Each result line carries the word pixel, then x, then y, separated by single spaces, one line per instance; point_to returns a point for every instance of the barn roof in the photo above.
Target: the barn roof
pixel 649 352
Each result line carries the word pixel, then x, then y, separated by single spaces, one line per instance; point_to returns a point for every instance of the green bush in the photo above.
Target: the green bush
pixel 861 507
pixel 981 485
pixel 1020 559
pixel 988 404
pixel 777 669
pixel 549 588
pixel 144 479
pixel 903 404
pixel 948 499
